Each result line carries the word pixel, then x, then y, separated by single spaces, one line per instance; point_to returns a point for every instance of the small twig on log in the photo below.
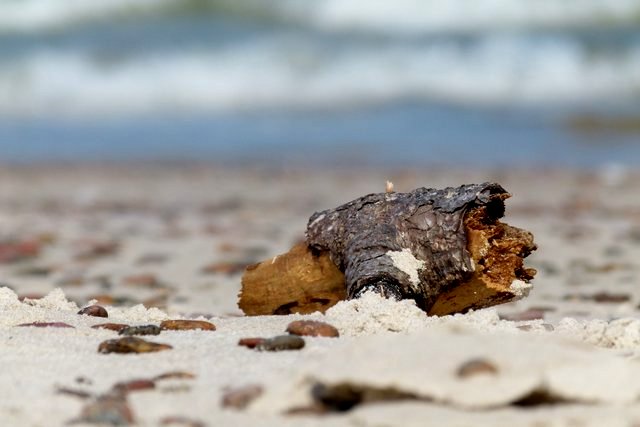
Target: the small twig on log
pixel 445 249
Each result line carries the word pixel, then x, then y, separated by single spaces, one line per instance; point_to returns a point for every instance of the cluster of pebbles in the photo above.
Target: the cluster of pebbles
pixel 190 358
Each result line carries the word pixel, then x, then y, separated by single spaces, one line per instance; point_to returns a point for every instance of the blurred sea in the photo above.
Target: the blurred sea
pixel 339 82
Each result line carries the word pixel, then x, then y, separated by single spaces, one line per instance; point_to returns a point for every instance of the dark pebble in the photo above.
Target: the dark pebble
pixel 312 328
pixel 134 385
pixel 281 343
pixel 131 345
pixel 530 314
pixel 94 310
pixel 141 330
pixel 74 392
pixel 47 324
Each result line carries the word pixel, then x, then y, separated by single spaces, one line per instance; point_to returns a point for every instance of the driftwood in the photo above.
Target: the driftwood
pixel 445 249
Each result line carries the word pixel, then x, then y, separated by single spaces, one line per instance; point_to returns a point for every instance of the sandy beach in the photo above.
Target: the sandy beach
pixel 171 242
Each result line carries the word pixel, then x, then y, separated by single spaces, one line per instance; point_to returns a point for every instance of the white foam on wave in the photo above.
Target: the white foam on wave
pixel 460 15
pixel 34 15
pixel 277 74
pixel 366 15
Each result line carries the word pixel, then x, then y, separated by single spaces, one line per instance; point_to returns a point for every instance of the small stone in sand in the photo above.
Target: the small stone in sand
pixel 175 375
pixel 530 314
pixel 47 324
pixel 240 397
pixel 134 385
pixel 94 310
pixel 180 421
pixel 145 280
pixel 110 409
pixel 74 392
pixel 312 328
pixel 14 251
pixel 280 343
pixel 111 326
pixel 250 342
pixel 140 330
pixel 475 367
pixel 185 325
pixel 228 268
pixel 131 345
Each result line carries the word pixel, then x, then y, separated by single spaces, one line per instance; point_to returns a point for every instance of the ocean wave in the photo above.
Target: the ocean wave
pixel 37 15
pixel 290 74
pixel 399 16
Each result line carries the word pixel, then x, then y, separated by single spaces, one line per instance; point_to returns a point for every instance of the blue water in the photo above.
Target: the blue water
pixel 393 136
pixel 344 83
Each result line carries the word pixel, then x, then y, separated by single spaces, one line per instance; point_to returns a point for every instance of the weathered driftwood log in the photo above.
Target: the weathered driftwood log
pixel 445 249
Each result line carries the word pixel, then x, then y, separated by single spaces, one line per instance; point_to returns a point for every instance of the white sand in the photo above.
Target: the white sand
pixel 585 354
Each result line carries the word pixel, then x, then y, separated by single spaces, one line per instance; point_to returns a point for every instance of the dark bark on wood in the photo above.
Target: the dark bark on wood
pixel 367 237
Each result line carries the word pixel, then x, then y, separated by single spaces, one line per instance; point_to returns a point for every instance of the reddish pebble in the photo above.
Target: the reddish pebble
pixel 111 326
pixel 47 324
pixel 94 310
pixel 250 342
pixel 177 375
pixel 312 328
pixel 239 398
pixel 141 280
pixel 475 367
pixel 18 251
pixel 185 325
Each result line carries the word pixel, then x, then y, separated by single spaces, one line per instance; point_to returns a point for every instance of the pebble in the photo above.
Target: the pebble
pixel 475 367
pixel 152 258
pixel 176 420
pixel 142 281
pixel 47 324
pixel 74 392
pixel 530 314
pixel 600 297
pixel 111 326
pixel 228 268
pixel 17 251
pixel 175 375
pixel 140 330
pixel 94 310
pixel 185 325
pixel 89 250
pixel 250 342
pixel 312 328
pixel 111 409
pixel 134 385
pixel 131 345
pixel 240 397
pixel 280 343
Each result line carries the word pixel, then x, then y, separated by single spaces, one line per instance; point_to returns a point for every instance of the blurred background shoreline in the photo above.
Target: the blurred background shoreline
pixel 329 83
